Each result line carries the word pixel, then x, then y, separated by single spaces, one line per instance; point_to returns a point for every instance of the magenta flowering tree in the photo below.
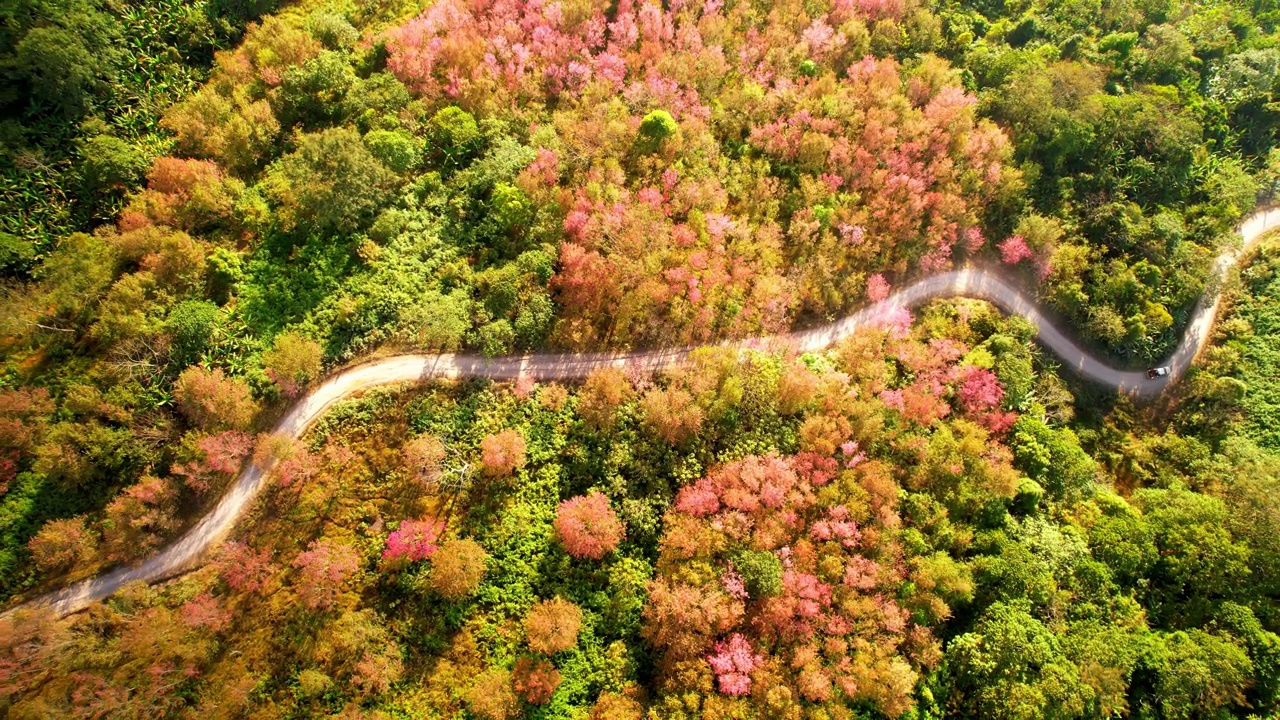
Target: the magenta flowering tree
pixel 414 540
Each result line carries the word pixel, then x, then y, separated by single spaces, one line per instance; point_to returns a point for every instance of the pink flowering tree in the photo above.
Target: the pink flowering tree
pixel 877 288
pixel 219 455
pixel 502 453
pixel 897 166
pixel 980 396
pixel 243 568
pixel 1014 250
pixel 588 527
pixel 205 612
pixel 980 391
pixel 323 569
pixel 732 661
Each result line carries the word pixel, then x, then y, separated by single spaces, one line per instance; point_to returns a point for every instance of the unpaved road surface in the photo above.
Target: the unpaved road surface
pixel 213 528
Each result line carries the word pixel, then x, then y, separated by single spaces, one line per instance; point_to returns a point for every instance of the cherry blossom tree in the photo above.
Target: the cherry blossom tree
pixel 220 454
pixel 805 595
pixel 588 527
pixel 502 453
pixel 22 412
pixel 323 569
pixel 683 620
pixel 877 288
pixel 414 540
pixel 243 568
pixel 213 401
pixel 204 612
pixel 980 391
pixel 1014 250
pixel 732 661
pixel 287 458
pixel 892 166
pixel 141 517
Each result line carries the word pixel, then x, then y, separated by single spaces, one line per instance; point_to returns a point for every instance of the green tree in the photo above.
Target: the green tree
pixel 656 128
pixel 761 572
pixel 313 93
pixel 16 255
pixel 330 183
pixel 191 324
pixel 1200 562
pixel 396 149
pixel 334 31
pixel 109 164
pixel 1200 675
pixel 1263 646
pixel 1122 540
pixel 453 137
pixel 1052 457
pixel 1010 666
pixel 293 361
pixel 61 72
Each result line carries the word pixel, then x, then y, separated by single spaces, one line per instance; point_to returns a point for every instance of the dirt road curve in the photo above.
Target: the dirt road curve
pixel 192 547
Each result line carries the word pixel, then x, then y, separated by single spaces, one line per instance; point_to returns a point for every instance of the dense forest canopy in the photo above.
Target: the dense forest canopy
pixel 206 207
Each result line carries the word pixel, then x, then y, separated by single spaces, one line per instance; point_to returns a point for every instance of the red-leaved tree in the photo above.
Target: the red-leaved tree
pixel 535 679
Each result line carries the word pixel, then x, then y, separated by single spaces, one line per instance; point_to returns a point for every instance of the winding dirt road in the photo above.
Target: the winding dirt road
pixel 192 547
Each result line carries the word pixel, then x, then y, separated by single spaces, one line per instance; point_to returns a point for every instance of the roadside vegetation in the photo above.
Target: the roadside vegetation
pixel 905 526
